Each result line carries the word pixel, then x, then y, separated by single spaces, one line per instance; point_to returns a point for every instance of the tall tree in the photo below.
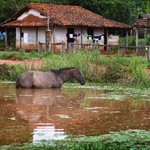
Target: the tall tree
pixel 120 10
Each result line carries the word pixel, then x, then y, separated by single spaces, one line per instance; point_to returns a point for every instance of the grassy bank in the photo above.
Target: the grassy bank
pixel 95 67
pixel 124 140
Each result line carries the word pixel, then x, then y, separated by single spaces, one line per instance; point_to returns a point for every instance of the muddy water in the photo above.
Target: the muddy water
pixel 28 115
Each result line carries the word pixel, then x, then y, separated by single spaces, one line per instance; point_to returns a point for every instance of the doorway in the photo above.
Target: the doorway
pixel 70 35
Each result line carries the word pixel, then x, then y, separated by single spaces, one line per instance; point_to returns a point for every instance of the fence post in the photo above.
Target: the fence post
pixel 148 53
pixel 52 47
pixel 49 47
pixel 38 47
pixel 95 46
pixel 74 48
pixel 68 47
pixel 71 48
pixel 63 48
pixel 48 39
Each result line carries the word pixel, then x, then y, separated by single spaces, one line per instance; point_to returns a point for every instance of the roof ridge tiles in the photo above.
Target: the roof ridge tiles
pixel 66 15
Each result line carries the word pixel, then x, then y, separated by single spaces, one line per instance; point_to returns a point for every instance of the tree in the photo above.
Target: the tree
pixel 120 10
pixel 8 10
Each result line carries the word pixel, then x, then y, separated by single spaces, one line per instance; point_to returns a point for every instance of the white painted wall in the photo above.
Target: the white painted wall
pixel 29 37
pixel 17 37
pixel 82 35
pixel 41 34
pixel 99 32
pixel 113 40
pixel 31 11
pixel 59 34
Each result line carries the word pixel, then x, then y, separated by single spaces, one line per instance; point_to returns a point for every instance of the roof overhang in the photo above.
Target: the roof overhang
pixel 62 15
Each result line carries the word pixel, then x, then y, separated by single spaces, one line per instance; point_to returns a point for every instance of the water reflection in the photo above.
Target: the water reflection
pixel 46 132
pixel 45 97
pixel 7 92
pixel 44 100
pixel 36 104
pixel 75 111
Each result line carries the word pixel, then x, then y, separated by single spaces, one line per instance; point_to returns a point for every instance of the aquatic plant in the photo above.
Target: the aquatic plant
pixel 130 139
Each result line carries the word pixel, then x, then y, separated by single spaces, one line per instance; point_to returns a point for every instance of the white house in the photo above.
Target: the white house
pixel 65 23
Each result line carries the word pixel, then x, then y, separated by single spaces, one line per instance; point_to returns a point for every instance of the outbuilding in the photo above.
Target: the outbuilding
pixel 143 22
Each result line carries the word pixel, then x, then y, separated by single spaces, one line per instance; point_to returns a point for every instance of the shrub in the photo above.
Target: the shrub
pixel 148 40
pixel 10 72
pixel 95 67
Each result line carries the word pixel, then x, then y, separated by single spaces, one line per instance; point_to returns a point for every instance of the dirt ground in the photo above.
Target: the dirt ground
pixel 34 63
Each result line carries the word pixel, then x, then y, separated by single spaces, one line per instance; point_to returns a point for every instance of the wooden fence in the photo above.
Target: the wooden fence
pixel 63 48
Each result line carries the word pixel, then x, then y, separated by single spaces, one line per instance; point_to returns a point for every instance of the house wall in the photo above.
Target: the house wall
pixel 41 34
pixel 17 38
pixel 34 35
pixel 31 11
pixel 59 34
pixel 30 37
pixel 99 32
pixel 81 35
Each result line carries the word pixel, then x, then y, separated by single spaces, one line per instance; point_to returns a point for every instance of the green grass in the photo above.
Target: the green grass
pixel 95 67
pixel 21 55
pixel 124 140
pixel 104 69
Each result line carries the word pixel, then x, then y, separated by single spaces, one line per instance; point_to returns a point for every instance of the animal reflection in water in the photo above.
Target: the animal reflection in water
pixel 45 97
pixel 31 102
pixel 49 79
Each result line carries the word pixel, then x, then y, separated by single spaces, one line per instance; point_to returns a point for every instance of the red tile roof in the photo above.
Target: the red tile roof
pixel 64 15
pixel 30 20
pixel 114 24
pixel 143 21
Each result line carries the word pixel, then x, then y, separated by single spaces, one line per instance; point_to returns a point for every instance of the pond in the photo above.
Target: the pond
pixel 32 115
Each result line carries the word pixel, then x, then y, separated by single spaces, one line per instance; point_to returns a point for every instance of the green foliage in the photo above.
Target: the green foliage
pixel 148 40
pixel 12 9
pixel 127 70
pixel 131 139
pixel 131 41
pixel 21 55
pixel 95 67
pixel 120 10
pixel 10 72
pixel 57 61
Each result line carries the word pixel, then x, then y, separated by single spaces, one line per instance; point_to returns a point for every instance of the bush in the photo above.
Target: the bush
pixel 126 70
pixel 131 41
pixel 10 72
pixel 100 68
pixel 148 40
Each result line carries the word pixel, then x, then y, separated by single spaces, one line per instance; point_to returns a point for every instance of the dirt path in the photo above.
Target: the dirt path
pixel 31 64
